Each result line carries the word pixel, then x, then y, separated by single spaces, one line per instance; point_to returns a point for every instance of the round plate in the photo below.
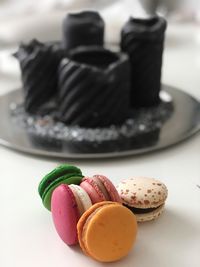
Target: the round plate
pixel 183 123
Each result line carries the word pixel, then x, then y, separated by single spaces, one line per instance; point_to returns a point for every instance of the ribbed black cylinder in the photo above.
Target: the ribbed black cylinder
pixel 94 88
pixel 83 28
pixel 143 40
pixel 39 63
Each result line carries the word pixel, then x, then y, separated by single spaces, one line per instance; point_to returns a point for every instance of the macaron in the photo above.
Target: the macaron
pixel 145 197
pixel 107 231
pixel 82 199
pixel 63 174
pixel 68 203
pixel 100 188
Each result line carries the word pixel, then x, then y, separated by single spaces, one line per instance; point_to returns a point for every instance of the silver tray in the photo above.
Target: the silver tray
pixel 181 124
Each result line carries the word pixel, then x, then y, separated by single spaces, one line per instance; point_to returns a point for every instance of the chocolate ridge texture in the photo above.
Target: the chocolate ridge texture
pixel 39 63
pixel 143 41
pixel 94 88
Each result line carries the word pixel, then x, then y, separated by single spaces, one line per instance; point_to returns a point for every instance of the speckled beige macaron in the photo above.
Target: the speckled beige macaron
pixel 144 196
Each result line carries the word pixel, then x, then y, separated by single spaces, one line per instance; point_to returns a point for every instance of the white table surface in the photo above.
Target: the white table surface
pixel 27 235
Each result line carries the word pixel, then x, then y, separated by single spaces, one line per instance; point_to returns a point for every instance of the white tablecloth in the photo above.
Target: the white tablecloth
pixel 27 235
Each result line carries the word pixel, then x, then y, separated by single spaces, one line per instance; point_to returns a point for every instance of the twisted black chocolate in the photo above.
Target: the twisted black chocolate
pixel 39 63
pixel 92 97
pixel 143 41
pixel 83 28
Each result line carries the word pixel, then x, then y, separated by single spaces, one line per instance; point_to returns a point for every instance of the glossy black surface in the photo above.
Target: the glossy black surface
pixel 183 123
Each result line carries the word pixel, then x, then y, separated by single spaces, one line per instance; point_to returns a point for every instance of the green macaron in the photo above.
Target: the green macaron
pixel 63 174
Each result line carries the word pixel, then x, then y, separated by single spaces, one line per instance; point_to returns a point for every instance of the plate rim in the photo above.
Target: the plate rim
pixel 115 154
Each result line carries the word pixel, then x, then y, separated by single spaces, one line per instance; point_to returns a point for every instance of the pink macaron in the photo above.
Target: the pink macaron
pixel 100 188
pixel 68 203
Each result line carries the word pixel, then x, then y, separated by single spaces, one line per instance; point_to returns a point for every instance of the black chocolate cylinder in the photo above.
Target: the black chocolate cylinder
pixel 94 88
pixel 143 40
pixel 39 63
pixel 83 28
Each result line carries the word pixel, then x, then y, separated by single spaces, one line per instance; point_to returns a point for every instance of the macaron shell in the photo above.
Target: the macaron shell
pixel 94 192
pixel 114 196
pixel 150 215
pixel 59 171
pixel 107 231
pixel 142 192
pixel 84 218
pixel 65 214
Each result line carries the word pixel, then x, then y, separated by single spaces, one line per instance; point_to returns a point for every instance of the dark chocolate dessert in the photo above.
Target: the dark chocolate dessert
pixel 39 63
pixel 143 40
pixel 83 29
pixel 93 88
pixel 90 86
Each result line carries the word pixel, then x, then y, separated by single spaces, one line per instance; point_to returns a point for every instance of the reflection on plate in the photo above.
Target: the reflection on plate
pixel 177 118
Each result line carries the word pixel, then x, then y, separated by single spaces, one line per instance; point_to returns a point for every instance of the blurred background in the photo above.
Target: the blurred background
pixel 22 20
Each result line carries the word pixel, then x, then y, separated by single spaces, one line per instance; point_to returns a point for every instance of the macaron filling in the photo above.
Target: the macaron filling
pixel 102 187
pixel 82 198
pixel 78 200
pixel 142 211
pixel 61 174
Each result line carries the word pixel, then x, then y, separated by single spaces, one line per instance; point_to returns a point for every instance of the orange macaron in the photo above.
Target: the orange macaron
pixel 107 231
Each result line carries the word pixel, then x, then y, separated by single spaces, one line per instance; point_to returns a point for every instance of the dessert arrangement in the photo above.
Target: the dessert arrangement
pixel 78 90
pixel 92 212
